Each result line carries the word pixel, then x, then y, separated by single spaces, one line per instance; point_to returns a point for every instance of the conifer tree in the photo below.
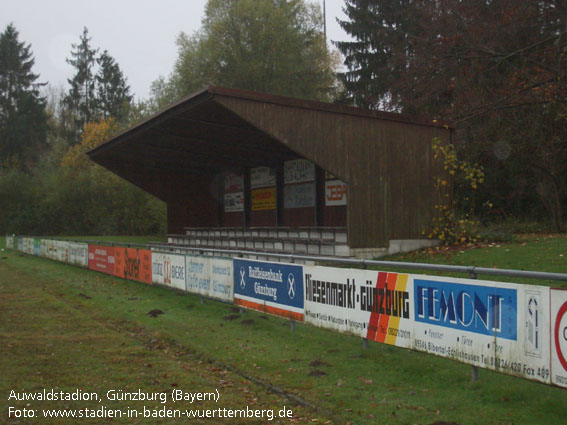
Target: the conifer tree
pixel 81 97
pixel 112 92
pixel 23 120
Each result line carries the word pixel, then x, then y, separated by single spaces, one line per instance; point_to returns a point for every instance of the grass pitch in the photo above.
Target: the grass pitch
pixel 65 328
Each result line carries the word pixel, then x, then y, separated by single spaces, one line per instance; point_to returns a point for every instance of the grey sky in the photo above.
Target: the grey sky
pixel 139 34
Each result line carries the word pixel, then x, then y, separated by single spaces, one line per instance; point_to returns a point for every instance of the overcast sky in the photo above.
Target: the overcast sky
pixel 139 34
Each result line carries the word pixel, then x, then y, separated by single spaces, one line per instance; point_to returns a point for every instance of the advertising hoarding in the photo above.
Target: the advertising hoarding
pixel 494 325
pixel 262 177
pixel 264 199
pixel 299 195
pixel 559 337
pixel 133 264
pixel 169 269
pixel 101 258
pixel 299 171
pixel 275 288
pixel 79 254
pixel 210 277
pixel 335 193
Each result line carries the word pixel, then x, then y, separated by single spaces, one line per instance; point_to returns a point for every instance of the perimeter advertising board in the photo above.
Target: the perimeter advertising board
pixel 275 288
pixel 210 277
pixel 9 242
pixel 79 254
pixel 494 325
pixel 37 247
pixel 168 269
pixel 133 264
pixel 101 258
pixel 559 337
pixel 62 251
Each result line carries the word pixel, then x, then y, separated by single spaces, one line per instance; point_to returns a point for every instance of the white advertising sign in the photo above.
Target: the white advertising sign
pixel 169 269
pixel 262 177
pixel 299 171
pixel 210 276
pixel 494 325
pixel 234 202
pixel 299 195
pixel 335 193
pixel 78 254
pixel 62 251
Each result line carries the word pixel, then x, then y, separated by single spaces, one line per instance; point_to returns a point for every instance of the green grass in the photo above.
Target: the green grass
pixel 108 340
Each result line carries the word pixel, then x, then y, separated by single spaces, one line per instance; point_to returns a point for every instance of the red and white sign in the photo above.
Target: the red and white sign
pixel 101 258
pixel 335 193
pixel 559 337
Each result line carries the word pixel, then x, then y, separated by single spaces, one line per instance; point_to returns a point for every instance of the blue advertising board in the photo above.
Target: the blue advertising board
pixel 275 288
pixel 486 310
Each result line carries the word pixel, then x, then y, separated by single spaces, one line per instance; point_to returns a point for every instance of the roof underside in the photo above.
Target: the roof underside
pixel 194 137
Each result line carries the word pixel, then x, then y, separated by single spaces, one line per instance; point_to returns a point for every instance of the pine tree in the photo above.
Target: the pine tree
pixel 112 92
pixel 81 97
pixel 23 120
pixel 377 57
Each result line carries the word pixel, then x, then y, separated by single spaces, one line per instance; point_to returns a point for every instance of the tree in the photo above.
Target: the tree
pixel 112 92
pixel 273 46
pixel 496 68
pixel 81 97
pixel 23 121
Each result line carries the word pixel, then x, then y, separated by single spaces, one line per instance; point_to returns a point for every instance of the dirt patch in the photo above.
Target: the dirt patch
pixel 264 317
pixel 317 372
pixel 155 312
pixel 247 322
pixel 235 309
pixel 231 317
pixel 85 296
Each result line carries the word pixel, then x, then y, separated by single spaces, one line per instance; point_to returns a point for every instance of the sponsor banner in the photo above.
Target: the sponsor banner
pixel 210 277
pixel 234 202
pixel 45 248
pixel 335 193
pixel 299 171
pixel 233 183
pixel 62 251
pixel 299 195
pixel 494 325
pixel 264 199
pixel 101 258
pixel 559 337
pixel 79 254
pixel 51 249
pixel 262 177
pixel 28 245
pixel 275 288
pixel 37 247
pixel 133 264
pixel 168 269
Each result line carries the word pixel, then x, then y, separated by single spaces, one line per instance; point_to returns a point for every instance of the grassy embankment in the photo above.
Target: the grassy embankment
pixel 63 327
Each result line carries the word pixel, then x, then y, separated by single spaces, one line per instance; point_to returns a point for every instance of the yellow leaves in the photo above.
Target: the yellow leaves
pixel 94 134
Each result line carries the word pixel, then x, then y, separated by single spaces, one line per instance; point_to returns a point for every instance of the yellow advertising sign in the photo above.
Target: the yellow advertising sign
pixel 264 199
